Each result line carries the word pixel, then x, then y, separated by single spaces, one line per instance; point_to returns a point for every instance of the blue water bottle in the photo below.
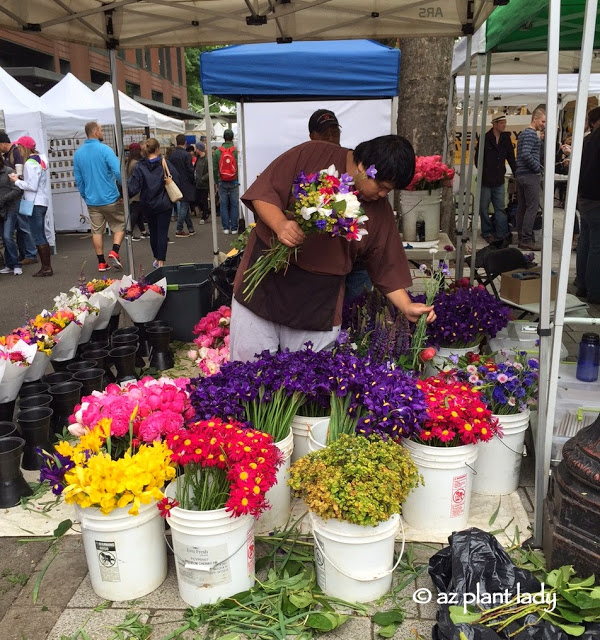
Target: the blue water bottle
pixel 589 358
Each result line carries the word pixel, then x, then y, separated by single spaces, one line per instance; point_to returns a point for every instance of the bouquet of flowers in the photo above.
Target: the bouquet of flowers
pixel 325 203
pixel 456 414
pixel 101 293
pixel 162 407
pixel 363 481
pixel 15 356
pixel 140 299
pixel 98 284
pixel 85 312
pixel 87 474
pixel 465 314
pixel 30 334
pixel 212 338
pixel 220 466
pixel 507 387
pixel 430 173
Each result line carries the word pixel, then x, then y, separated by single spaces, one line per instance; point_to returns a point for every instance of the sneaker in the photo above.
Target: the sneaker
pixel 29 261
pixel 226 232
pixel 136 238
pixel 530 246
pixel 114 260
pixel 192 232
pixel 234 232
pixel 145 234
pixel 155 264
pixel 169 241
pixel 201 221
pixel 18 271
pixel 181 234
pixel 103 266
pixel 6 270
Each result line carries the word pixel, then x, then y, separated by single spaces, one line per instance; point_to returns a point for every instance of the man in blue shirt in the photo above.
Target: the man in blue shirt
pixel 97 171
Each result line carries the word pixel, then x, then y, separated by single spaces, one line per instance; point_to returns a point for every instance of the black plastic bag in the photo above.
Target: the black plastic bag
pixel 222 278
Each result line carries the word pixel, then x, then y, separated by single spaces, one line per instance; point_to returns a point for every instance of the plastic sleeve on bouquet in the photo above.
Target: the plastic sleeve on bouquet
pixel 12 378
pixel 145 308
pixel 37 368
pixel 105 301
pixel 114 288
pixel 67 341
pixel 89 325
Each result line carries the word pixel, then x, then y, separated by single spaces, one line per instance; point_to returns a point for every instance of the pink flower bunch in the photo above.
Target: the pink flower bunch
pixel 212 338
pixel 163 406
pixel 430 173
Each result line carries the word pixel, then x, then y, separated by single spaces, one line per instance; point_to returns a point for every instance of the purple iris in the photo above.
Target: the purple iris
pixel 371 171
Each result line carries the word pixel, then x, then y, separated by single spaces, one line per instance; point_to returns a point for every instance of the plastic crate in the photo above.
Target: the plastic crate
pixel 189 297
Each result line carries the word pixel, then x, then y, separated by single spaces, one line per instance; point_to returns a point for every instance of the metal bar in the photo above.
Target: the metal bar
pixel 211 180
pixel 477 201
pixel 112 56
pixel 77 15
pixel 460 239
pixel 448 117
pixel 578 320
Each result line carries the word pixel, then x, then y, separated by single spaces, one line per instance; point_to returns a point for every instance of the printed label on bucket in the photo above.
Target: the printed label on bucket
pixel 203 566
pixel 320 563
pixel 459 493
pixel 250 550
pixel 108 561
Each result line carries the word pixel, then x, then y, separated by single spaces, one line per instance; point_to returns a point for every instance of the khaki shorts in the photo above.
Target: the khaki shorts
pixel 111 214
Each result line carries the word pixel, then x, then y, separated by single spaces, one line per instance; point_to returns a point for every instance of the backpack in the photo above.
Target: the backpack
pixel 227 164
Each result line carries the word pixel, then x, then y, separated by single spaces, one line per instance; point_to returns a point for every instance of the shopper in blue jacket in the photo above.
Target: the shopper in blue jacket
pixel 148 179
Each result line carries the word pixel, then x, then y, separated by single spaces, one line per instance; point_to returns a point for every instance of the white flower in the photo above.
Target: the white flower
pixel 331 170
pixel 77 429
pixel 433 250
pixel 352 204
pixel 306 212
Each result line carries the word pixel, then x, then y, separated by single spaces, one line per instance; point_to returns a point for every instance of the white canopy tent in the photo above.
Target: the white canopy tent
pixel 26 114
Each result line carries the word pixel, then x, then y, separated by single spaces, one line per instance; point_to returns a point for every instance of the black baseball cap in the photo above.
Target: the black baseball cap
pixel 322 119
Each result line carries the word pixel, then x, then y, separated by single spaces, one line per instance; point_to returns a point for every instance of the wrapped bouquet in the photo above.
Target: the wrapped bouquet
pixel 141 300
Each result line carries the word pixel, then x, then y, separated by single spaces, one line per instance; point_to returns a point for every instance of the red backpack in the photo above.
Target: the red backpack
pixel 227 164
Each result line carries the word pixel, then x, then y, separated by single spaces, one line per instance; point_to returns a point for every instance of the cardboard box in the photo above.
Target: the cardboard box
pixel 525 290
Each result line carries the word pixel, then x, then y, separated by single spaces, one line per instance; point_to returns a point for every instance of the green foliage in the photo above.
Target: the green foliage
pixel 360 480
pixel 192 74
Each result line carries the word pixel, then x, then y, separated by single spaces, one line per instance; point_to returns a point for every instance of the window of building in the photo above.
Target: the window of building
pixel 158 96
pixel 98 77
pixel 65 66
pixel 148 58
pixel 132 89
pixel 121 54
pixel 168 57
pixel 176 102
pixel 139 58
pixel 179 65
pixel 14 55
pixel 161 62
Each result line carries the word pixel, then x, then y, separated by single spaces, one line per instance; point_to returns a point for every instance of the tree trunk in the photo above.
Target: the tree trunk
pixel 425 69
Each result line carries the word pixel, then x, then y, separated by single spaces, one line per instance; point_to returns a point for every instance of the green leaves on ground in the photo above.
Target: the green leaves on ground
pixel 389 621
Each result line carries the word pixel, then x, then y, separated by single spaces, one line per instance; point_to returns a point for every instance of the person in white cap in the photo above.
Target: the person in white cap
pixel 497 151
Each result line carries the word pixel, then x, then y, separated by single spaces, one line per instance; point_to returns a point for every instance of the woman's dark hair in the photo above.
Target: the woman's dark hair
pixel 134 154
pixel 393 157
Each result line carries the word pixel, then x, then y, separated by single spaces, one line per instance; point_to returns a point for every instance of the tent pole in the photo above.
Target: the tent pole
pixel 211 179
pixel 112 54
pixel 460 240
pixel 476 203
pixel 244 164
pixel 448 117
pixel 549 363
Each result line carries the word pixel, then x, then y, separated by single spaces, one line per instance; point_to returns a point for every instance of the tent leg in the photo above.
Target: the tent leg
pixel 448 116
pixel 211 178
pixel 121 154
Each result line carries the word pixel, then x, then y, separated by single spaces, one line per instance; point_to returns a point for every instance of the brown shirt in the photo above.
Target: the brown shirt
pixel 309 294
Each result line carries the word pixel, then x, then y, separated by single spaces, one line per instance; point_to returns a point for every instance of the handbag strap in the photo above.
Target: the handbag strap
pixel 166 169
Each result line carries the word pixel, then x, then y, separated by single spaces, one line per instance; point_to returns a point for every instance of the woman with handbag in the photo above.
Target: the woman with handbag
pixel 10 195
pixel 155 179
pixel 35 199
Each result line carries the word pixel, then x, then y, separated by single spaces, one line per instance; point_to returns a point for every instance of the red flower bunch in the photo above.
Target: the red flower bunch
pixel 138 289
pixel 456 414
pixel 430 173
pixel 236 466
pixel 213 328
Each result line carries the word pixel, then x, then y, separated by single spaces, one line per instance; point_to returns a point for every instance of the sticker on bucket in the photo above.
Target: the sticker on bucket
pixel 250 552
pixel 204 566
pixel 108 561
pixel 320 562
pixel 459 493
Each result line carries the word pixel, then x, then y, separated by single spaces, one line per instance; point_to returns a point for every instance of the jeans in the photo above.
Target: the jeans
pixel 25 245
pixel 495 195
pixel 158 225
pixel 588 250
pixel 136 216
pixel 11 252
pixel 183 215
pixel 528 196
pixel 202 202
pixel 38 225
pixel 229 193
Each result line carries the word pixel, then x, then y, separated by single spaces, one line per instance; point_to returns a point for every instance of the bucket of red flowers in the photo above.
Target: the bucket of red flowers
pixel 224 472
pixel 456 419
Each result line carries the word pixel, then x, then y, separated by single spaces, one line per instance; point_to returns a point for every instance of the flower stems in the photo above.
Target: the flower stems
pixel 274 259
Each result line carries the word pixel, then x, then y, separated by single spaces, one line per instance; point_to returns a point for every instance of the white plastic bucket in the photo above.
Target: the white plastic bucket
pixel 441 358
pixel 301 426
pixel 37 368
pixel 498 464
pixel 126 555
pixel 443 503
pixel 420 206
pixel 280 494
pixel 214 553
pixel 354 562
pixel 317 436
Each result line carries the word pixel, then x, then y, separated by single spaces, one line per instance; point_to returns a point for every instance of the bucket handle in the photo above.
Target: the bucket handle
pixel 384 574
pixel 203 567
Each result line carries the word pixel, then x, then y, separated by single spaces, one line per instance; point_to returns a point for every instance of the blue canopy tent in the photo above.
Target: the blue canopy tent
pixel 278 87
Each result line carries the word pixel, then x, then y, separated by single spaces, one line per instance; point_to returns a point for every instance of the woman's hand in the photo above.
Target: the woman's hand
pixel 289 233
pixel 13 176
pixel 415 310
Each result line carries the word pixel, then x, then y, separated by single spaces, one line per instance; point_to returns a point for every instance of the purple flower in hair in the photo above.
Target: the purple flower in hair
pixel 371 171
